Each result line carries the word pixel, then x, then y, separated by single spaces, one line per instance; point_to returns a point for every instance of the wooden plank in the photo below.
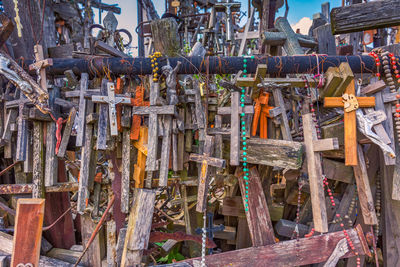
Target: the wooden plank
pixel 67 133
pixel 279 102
pixel 51 163
pixel 326 41
pixel 96 251
pixel 140 165
pixel 139 226
pixel 281 153
pixel 38 161
pixel 165 150
pixel 362 17
pixel 326 144
pixel 333 78
pixel 80 120
pixel 257 213
pixel 102 123
pixel 373 88
pixel 315 175
pixel 28 232
pixel 111 244
pixel 364 189
pixel 290 253
pixel 126 162
pixel 338 171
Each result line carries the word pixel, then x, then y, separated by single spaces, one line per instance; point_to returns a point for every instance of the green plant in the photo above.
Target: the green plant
pixel 172 256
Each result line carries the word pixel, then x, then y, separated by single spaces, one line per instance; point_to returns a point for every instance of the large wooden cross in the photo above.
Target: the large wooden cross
pixel 235 110
pixel 313 147
pixel 138 101
pixel 40 65
pixel 206 160
pixel 350 103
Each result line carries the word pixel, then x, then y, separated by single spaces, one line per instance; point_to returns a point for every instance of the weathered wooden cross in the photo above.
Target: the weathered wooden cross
pixel 40 65
pixel 350 103
pixel 138 101
pixel 206 160
pixel 235 110
pixel 313 147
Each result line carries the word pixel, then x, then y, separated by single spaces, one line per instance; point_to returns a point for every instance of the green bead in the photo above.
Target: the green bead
pixel 246 204
pixel 242 114
pixel 247 183
pixel 247 173
pixel 247 192
pixel 243 90
pixel 244 159
pixel 247 196
pixel 243 122
pixel 245 169
pixel 242 99
pixel 242 105
pixel 244 60
pixel 244 75
pixel 244 148
pixel 243 128
pixel 244 163
pixel 244 65
pixel 244 138
pixel 246 200
pixel 244 143
pixel 252 57
pixel 246 209
pixel 244 153
pixel 247 187
pixel 245 71
pixel 242 95
pixel 243 133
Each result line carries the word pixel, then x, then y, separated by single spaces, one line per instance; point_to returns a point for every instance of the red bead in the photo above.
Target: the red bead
pixel 337 215
pixel 398 110
pixel 333 204
pixel 393 58
pixel 378 64
pixel 397 76
pixel 398 105
pixel 398 96
pixel 377 59
pixel 356 253
pixel 329 190
pixel 378 75
pixel 342 225
pixel 393 62
pixel 397 115
pixel 394 67
pixel 391 55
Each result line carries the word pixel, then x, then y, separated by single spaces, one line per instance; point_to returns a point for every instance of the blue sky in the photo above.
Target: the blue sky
pixel 297 10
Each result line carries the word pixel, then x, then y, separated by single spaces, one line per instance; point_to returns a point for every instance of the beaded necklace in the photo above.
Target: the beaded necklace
pixel 154 65
pixel 244 138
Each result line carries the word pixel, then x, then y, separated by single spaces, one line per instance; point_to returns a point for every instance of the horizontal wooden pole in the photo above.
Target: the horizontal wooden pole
pixel 11 189
pixel 310 250
pixel 214 65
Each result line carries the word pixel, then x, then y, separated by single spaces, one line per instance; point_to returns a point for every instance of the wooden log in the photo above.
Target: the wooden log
pixel 257 213
pixel 28 232
pixel 338 171
pixel 38 161
pixel 281 153
pixel 139 226
pixel 125 179
pixel 165 36
pixel 290 253
pixel 362 17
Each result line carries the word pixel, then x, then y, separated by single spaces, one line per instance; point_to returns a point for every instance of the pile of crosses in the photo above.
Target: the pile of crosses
pixel 219 145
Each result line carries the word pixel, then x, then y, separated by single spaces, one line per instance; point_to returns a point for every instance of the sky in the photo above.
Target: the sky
pixel 298 10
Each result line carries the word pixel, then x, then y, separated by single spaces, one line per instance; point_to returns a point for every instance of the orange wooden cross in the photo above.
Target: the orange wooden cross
pixel 350 103
pixel 139 168
pixel 137 101
pixel 261 112
pixel 118 90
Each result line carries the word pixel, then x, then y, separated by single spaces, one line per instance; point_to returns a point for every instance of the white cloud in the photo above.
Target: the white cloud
pixel 304 25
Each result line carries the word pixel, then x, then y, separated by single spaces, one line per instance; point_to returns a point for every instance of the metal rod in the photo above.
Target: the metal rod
pixel 277 66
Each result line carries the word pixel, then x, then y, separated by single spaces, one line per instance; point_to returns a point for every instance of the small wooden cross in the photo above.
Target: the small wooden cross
pixel 350 103
pixel 261 112
pixel 40 65
pixel 138 101
pixel 235 110
pixel 313 147
pixel 206 160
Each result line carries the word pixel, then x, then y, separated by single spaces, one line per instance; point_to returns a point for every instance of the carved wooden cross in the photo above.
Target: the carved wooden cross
pixel 350 103
pixel 138 101
pixel 40 65
pixel 235 110
pixel 313 147
pixel 206 160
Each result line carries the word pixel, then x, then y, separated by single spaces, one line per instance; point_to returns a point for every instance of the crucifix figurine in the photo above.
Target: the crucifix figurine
pixel 206 160
pixel 350 103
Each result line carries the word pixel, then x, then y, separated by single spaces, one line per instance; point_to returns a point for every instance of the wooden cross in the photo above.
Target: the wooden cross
pixel 40 65
pixel 261 112
pixel 235 110
pixel 313 147
pixel 136 120
pixel 350 103
pixel 206 160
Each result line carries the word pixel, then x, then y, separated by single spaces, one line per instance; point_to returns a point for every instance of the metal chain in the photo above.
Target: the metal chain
pixel 203 240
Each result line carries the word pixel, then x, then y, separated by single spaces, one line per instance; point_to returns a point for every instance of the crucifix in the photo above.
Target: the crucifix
pixel 313 147
pixel 211 229
pixel 40 65
pixel 350 103
pixel 206 160
pixel 235 110
pixel 228 7
pixel 261 112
